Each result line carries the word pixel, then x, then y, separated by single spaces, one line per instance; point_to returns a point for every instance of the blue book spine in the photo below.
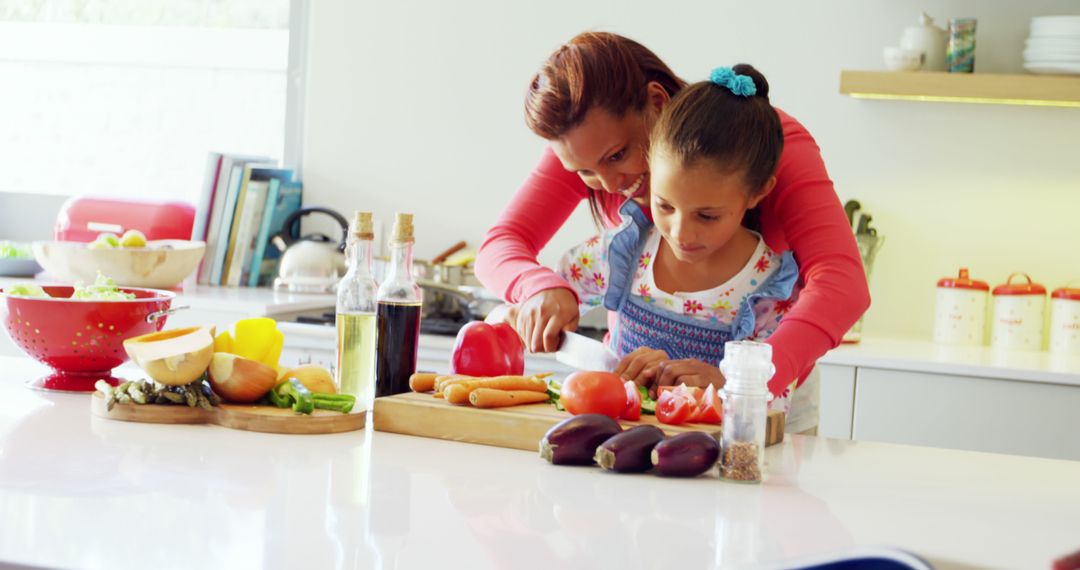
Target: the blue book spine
pixel 289 198
pixel 263 237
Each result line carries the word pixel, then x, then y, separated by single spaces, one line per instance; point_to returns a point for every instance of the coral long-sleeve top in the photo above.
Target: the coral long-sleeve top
pixel 802 214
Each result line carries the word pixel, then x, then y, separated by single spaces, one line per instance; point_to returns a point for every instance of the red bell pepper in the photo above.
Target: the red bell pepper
pixel 482 349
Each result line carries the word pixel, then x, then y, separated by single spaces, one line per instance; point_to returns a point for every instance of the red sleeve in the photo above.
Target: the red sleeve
pixel 803 214
pixel 506 262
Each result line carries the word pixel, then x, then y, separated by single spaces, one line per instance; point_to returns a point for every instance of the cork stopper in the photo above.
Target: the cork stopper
pixel 403 229
pixel 362 226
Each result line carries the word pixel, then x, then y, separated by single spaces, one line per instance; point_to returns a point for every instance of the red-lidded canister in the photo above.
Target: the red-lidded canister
pixel 1065 320
pixel 960 310
pixel 1018 314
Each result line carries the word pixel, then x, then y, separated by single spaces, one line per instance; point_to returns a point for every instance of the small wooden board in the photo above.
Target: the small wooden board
pixel 265 419
pixel 517 427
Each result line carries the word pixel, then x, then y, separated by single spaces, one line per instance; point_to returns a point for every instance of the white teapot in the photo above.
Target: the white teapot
pixel 929 39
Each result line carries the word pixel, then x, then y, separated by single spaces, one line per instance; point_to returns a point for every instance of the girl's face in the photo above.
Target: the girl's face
pixel 609 153
pixel 698 209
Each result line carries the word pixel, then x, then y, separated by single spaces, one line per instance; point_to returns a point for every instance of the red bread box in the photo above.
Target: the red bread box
pixel 82 218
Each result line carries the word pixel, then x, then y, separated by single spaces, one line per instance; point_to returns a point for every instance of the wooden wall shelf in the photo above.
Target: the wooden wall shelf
pixel 991 88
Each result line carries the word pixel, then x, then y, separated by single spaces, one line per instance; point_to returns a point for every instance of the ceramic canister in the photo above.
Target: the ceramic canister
pixel 1018 314
pixel 960 311
pixel 1065 320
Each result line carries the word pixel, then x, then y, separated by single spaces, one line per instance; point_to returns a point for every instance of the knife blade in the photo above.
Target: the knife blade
pixel 581 352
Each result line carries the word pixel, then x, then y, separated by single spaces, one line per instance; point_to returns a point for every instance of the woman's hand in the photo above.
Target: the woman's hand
pixel 641 365
pixel 691 372
pixel 544 316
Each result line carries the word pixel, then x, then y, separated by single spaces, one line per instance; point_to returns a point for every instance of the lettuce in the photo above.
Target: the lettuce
pixel 26 290
pixel 103 289
pixel 12 250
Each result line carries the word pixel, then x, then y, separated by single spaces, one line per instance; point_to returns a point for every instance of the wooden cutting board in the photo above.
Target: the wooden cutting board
pixel 517 427
pixel 249 418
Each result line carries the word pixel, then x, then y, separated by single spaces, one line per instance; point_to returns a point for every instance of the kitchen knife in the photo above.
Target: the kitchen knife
pixel 581 352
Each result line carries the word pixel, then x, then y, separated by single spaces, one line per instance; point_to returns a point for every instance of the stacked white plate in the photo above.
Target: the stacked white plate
pixel 1054 45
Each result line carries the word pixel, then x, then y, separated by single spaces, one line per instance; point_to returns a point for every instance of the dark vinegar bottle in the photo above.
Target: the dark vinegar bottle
pixel 397 315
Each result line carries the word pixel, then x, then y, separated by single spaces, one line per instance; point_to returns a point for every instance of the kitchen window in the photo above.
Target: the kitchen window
pixel 125 98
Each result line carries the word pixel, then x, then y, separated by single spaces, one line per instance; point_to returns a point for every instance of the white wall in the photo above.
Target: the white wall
pixel 416 106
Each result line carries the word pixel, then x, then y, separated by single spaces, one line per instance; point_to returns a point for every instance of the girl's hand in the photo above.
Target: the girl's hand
pixel 641 365
pixel 691 372
pixel 542 317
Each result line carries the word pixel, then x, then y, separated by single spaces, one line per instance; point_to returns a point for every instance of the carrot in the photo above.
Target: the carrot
pixel 441 382
pixel 422 382
pixel 531 384
pixel 456 394
pixel 492 398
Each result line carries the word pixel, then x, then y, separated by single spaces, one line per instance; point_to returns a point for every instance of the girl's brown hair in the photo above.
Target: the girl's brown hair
pixel 593 69
pixel 708 121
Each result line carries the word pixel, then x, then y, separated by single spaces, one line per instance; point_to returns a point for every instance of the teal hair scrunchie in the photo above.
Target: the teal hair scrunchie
pixel 741 85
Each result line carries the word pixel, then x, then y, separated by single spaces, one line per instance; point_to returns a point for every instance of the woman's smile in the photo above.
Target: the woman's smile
pixel 637 189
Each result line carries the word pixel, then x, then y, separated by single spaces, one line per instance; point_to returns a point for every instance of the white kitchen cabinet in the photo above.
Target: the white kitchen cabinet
pixel 965 412
pixel 837 405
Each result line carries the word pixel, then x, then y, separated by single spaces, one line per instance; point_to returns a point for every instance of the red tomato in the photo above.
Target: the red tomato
pixel 695 413
pixel 672 407
pixel 692 392
pixel 633 403
pixel 594 393
pixel 487 350
pixel 712 407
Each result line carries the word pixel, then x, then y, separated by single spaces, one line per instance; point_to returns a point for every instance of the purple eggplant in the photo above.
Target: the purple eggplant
pixel 629 451
pixel 686 455
pixel 574 440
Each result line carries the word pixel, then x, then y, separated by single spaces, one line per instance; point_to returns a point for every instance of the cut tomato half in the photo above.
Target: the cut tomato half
pixel 633 403
pixel 692 392
pixel 712 407
pixel 673 408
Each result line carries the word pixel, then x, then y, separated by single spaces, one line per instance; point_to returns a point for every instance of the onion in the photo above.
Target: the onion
pixel 240 380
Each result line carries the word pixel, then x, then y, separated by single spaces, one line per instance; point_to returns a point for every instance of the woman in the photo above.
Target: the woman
pixel 595 100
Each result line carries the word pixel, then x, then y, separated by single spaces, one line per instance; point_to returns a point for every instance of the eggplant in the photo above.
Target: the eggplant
pixel 629 451
pixel 574 440
pixel 686 455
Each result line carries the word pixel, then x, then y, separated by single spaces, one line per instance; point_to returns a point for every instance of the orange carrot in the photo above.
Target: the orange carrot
pixel 422 382
pixel 492 398
pixel 529 383
pixel 456 394
pixel 441 382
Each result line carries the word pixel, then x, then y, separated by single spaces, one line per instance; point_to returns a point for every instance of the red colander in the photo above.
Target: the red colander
pixel 82 341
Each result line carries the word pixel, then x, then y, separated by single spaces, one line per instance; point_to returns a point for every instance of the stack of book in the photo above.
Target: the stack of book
pixel 244 202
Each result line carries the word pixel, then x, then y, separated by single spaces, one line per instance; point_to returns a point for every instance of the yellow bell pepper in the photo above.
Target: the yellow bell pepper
pixel 255 339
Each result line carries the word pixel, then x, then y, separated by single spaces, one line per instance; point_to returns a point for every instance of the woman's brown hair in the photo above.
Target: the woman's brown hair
pixel 593 69
pixel 708 121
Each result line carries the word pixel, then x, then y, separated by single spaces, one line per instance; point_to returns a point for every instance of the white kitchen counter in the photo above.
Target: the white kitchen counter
pixel 982 361
pixel 79 491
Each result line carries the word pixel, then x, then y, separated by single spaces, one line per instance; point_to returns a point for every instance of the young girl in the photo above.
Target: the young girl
pixel 698 274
